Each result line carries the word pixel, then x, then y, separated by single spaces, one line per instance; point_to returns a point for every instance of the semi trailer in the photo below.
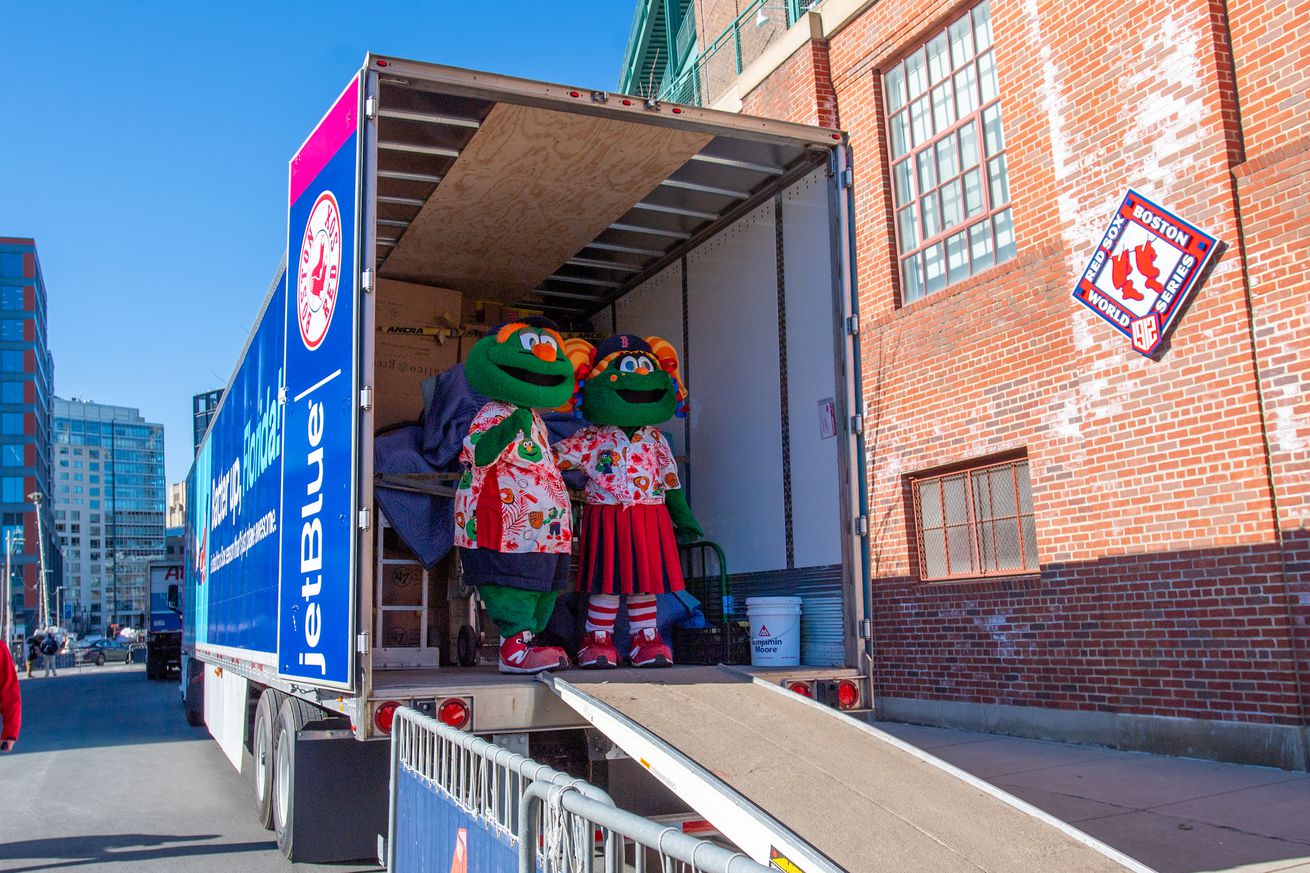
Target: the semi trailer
pixel 427 204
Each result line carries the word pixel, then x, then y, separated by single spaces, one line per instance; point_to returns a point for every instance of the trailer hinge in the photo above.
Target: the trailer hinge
pixel 866 628
pixel 361 643
pixel 364 516
pixel 848 177
pixel 853 325
pixel 366 281
pixel 599 97
pixel 862 526
pixel 282 395
pixel 366 397
pixel 857 424
pixel 371 108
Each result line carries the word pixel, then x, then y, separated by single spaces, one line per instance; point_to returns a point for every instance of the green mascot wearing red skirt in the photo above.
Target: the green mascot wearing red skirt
pixel 512 521
pixel 634 501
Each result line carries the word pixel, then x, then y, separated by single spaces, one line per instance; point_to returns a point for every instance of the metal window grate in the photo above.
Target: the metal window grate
pixel 950 187
pixel 976 522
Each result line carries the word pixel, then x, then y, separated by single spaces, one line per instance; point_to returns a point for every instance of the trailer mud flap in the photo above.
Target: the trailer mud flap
pixel 340 795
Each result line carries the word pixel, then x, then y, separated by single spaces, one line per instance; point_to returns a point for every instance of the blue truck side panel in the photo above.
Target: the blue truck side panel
pixel 233 501
pixel 270 536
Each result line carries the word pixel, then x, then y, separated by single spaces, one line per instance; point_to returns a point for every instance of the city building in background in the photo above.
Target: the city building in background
pixel 110 507
pixel 1064 536
pixel 26 391
pixel 203 408
pixel 176 515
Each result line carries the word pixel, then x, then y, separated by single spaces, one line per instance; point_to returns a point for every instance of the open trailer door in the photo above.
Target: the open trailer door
pixel 803 787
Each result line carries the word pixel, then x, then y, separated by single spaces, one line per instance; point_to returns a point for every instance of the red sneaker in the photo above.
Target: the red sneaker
pixel 649 650
pixel 519 655
pixel 598 652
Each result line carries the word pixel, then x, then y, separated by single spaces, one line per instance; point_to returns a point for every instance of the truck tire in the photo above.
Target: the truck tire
pixel 292 715
pixel 466 646
pixel 261 750
pixel 152 666
pixel 194 702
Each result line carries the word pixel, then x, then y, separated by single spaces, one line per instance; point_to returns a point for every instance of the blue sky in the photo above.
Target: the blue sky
pixel 144 146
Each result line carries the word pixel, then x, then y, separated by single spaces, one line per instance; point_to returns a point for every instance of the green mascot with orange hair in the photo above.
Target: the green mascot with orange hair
pixel 512 521
pixel 635 507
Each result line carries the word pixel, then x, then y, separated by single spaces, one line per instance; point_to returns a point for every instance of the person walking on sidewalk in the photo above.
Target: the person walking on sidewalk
pixel 33 652
pixel 50 651
pixel 11 702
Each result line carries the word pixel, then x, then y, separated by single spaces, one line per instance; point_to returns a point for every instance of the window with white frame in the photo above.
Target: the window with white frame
pixel 950 188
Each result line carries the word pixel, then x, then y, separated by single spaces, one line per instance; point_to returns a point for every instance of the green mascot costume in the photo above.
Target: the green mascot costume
pixel 634 500
pixel 512 522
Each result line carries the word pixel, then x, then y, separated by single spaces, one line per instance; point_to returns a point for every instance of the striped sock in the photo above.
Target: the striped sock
pixel 602 609
pixel 641 612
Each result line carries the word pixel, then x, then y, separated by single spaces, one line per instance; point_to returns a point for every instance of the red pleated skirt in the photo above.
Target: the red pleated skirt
pixel 628 550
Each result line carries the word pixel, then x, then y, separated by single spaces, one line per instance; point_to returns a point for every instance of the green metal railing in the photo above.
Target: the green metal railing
pixel 719 64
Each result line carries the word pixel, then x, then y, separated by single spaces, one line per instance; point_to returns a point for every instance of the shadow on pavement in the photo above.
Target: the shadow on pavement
pixel 101 707
pixel 62 852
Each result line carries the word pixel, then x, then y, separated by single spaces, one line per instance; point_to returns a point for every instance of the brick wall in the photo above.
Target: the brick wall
pixel 1271 49
pixel 1164 588
pixel 800 90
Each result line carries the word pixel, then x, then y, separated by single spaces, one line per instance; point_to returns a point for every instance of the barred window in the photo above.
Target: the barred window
pixel 976 522
pixel 949 182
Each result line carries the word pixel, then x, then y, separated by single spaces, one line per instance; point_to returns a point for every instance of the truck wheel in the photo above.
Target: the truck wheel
pixel 292 715
pixel 261 747
pixel 152 667
pixel 466 646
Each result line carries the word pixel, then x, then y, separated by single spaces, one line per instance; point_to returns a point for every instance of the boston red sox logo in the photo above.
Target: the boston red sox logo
pixel 319 270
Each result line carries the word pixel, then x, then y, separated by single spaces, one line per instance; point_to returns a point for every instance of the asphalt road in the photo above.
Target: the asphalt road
pixel 108 776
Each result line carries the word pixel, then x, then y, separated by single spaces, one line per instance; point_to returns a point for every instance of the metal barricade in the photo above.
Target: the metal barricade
pixel 557 827
pixel 506 797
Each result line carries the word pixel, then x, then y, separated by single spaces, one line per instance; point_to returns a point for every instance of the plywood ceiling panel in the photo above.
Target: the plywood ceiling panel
pixel 533 187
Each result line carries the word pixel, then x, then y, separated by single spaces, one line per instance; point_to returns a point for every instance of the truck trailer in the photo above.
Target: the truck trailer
pixel 164 629
pixel 428 203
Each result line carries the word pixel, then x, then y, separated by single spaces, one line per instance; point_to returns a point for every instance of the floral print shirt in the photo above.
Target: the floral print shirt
pixel 620 471
pixel 534 504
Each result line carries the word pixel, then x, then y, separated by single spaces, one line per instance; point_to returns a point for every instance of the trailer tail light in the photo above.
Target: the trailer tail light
pixel 848 694
pixel 382 63
pixel 384 715
pixel 575 93
pixel 801 688
pixel 454 712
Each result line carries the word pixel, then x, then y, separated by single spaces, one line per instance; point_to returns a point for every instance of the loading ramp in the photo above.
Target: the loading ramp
pixel 807 788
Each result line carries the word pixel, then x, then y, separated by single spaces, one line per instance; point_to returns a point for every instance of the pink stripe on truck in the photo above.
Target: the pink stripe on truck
pixel 336 127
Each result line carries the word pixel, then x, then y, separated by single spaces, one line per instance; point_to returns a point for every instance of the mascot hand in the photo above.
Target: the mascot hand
pixel 496 438
pixel 685 527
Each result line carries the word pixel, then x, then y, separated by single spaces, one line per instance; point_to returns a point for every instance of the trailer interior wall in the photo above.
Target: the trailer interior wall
pixel 760 362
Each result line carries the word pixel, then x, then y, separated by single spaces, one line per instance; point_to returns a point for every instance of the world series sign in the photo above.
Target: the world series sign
pixel 1143 271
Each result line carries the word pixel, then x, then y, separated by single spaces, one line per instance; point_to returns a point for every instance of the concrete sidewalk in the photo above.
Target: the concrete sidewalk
pixel 1174 814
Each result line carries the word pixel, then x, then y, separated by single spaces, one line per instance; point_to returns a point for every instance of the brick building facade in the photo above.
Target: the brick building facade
pixel 1167 606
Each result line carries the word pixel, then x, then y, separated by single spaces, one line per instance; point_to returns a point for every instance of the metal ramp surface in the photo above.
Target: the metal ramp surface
pixel 810 789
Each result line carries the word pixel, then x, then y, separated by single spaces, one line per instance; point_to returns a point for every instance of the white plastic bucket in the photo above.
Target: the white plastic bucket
pixel 775 631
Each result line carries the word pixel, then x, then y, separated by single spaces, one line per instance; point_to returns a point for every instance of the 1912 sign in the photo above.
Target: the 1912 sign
pixel 1146 266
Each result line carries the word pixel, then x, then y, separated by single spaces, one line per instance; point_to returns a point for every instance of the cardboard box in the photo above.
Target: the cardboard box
pixel 401 629
pixel 402 362
pixel 402 584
